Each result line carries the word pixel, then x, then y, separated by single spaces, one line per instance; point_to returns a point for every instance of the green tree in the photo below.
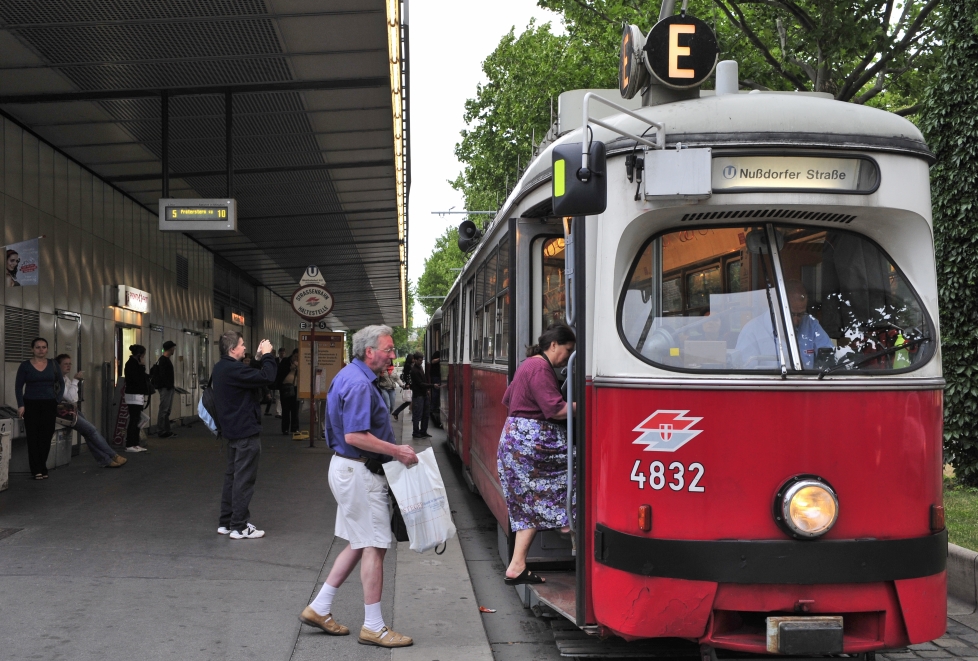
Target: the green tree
pixel 949 119
pixel 858 51
pixel 440 271
pixel 525 75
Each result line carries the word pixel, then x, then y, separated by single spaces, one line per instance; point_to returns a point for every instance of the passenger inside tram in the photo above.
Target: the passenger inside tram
pixel 709 299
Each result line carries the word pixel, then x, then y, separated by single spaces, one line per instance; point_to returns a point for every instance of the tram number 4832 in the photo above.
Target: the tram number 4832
pixel 677 477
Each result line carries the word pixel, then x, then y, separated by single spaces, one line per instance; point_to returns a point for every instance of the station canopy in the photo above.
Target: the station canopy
pixel 318 104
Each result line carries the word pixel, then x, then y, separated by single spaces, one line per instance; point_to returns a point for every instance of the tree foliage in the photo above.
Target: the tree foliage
pixel 949 119
pixel 440 270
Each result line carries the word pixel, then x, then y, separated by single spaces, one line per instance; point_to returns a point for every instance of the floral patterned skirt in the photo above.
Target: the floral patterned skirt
pixel 532 464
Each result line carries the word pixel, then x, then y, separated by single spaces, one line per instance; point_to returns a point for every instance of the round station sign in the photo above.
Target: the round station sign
pixel 312 302
pixel 681 51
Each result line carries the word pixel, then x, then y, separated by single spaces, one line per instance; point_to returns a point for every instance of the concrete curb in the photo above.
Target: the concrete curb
pixel 962 575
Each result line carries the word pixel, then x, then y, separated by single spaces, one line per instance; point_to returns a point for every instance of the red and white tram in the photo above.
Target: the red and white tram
pixel 759 432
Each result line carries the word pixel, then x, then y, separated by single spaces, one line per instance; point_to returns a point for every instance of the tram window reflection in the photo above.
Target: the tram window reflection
pixel 707 299
pixel 553 282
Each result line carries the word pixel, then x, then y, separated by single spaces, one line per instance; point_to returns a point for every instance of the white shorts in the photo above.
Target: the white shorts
pixel 362 513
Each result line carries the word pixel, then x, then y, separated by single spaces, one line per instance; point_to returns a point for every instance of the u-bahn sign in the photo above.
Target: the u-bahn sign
pixel 681 51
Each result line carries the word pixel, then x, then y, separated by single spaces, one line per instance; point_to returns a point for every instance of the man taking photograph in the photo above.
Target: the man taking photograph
pixel 237 397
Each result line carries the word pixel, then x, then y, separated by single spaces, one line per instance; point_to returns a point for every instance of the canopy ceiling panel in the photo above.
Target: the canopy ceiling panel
pixel 319 139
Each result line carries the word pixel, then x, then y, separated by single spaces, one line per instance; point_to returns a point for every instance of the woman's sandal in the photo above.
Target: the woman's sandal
pixel 527 577
pixel 39 476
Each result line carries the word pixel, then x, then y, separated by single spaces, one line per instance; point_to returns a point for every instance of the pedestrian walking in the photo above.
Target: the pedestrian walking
pixel 289 390
pixel 358 429
pixel 420 399
pixel 166 388
pixel 406 381
pixel 35 389
pixel 237 398
pixel 137 394
pixel 101 451
pixel 387 385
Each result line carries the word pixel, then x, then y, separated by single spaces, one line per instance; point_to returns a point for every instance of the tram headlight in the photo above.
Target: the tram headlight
pixel 806 507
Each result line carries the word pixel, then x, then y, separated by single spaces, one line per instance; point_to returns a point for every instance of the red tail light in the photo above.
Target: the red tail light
pixel 645 517
pixel 937 518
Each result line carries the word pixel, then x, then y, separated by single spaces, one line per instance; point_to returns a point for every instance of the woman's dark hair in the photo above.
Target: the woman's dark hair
pixel 39 339
pixel 559 333
pixel 137 349
pixel 60 357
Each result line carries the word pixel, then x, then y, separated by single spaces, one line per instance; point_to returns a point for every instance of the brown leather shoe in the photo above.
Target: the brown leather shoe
pixel 383 638
pixel 325 622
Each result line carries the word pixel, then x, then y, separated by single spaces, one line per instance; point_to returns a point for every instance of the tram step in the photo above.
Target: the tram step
pixel 572 642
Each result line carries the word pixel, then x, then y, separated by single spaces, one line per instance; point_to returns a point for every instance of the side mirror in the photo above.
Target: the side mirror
pixel 468 236
pixel 574 191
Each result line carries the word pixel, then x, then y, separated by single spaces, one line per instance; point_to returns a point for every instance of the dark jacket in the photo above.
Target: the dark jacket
pixel 166 372
pixel 419 382
pixel 283 371
pixel 137 380
pixel 237 395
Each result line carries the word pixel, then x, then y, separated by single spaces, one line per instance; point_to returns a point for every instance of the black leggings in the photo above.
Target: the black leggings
pixel 132 431
pixel 39 416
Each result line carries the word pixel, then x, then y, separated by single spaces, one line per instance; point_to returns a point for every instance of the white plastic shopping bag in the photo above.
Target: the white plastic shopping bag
pixel 423 501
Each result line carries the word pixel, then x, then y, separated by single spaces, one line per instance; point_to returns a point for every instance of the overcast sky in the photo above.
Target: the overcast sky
pixel 448 42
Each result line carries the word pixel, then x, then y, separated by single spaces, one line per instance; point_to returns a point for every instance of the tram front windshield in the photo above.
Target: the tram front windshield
pixel 722 300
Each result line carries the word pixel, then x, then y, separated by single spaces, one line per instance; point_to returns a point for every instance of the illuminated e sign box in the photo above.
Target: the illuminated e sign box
pixel 130 298
pixel 198 215
pixel 741 174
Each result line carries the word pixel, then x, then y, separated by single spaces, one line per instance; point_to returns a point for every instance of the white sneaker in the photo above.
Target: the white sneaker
pixel 223 531
pixel 136 448
pixel 250 532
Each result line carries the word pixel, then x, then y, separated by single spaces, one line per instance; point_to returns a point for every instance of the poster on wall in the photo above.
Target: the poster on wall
pixel 22 264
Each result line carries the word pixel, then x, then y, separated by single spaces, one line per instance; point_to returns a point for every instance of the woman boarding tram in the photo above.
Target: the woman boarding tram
pixel 757 373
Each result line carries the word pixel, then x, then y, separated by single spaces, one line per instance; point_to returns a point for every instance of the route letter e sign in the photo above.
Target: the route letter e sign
pixel 312 300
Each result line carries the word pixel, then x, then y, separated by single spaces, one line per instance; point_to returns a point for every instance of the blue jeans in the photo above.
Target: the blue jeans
pixel 100 450
pixel 388 396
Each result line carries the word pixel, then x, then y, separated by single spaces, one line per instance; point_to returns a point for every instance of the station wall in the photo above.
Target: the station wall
pixel 96 238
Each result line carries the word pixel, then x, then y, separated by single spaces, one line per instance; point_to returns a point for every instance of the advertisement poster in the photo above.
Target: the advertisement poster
pixel 330 348
pixel 22 264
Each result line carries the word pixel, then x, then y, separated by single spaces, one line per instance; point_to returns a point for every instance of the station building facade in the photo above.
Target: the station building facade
pixel 98 244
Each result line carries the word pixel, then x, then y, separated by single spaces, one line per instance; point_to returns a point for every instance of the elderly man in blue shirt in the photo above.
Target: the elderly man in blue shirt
pixel 756 347
pixel 359 432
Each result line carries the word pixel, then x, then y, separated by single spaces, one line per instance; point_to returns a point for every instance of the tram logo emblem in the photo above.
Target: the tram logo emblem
pixel 729 172
pixel 666 431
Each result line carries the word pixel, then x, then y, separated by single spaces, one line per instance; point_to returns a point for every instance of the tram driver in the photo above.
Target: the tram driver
pixel 756 345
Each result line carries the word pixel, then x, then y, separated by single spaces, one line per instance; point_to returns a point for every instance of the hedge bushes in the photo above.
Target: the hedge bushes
pixel 949 120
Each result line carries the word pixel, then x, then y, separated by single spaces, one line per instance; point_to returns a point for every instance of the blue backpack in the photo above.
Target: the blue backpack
pixel 207 408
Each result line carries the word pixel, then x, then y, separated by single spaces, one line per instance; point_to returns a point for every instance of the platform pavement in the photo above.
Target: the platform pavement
pixel 116 564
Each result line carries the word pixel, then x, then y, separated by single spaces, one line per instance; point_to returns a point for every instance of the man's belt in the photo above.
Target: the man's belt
pixel 362 460
pixel 375 466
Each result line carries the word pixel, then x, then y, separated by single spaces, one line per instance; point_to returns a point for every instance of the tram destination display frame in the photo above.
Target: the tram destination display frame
pixel 198 215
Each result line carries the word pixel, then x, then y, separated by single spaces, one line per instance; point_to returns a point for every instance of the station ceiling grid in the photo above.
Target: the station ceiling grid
pixel 319 134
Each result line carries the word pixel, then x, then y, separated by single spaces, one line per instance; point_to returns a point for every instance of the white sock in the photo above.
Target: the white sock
pixel 323 603
pixel 373 619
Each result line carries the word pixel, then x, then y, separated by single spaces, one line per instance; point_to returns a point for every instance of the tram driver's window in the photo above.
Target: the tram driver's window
pixel 708 299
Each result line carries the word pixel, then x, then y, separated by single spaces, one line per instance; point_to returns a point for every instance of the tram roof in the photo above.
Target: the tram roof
pixel 321 168
pixel 758 120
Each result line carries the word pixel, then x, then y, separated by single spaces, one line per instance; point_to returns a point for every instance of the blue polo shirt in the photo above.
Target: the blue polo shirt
pixel 354 404
pixel 757 349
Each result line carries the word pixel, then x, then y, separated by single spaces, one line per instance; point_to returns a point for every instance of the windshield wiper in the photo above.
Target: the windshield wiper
pixel 873 356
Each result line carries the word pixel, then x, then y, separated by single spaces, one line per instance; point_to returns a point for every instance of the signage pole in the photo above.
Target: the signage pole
pixel 312 386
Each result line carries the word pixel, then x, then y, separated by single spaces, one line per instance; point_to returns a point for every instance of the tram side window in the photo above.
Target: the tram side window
pixel 502 303
pixel 489 336
pixel 477 315
pixel 553 283
pixel 708 299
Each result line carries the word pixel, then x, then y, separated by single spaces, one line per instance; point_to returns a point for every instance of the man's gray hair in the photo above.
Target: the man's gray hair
pixel 368 336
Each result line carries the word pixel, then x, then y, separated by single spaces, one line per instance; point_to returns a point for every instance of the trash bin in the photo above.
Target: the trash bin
pixel 5 447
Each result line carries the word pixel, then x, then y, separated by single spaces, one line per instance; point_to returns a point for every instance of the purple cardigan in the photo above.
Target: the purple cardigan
pixel 534 392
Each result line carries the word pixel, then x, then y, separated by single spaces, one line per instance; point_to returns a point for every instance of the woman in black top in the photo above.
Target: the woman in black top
pixel 137 390
pixel 37 405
